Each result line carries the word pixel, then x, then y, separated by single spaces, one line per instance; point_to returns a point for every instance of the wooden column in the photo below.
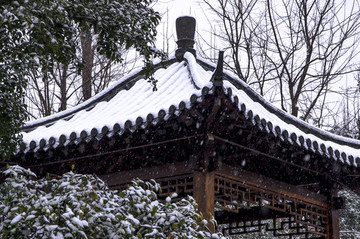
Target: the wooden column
pixel 333 221
pixel 204 194
pixel 204 180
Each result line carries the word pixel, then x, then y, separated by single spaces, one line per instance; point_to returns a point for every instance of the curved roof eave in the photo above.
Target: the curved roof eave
pixel 290 119
pixel 255 106
pixel 286 117
pixel 286 126
pixel 124 83
pixel 111 109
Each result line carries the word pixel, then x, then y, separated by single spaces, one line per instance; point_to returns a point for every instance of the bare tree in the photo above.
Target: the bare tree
pixel 347 112
pixel 53 91
pixel 292 51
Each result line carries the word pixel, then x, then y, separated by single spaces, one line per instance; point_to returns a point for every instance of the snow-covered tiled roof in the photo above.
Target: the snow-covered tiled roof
pixel 131 100
pixel 176 82
pixel 290 128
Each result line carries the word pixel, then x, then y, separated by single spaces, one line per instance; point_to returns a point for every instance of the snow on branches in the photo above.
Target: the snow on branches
pixel 37 35
pixel 82 206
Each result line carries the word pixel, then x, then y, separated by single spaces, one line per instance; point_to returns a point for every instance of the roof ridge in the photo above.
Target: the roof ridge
pixel 286 117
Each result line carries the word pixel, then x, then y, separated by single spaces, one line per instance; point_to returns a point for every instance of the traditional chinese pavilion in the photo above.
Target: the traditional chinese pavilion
pixel 204 133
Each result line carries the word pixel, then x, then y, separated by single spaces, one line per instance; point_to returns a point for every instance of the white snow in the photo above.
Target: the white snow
pixel 16 219
pixel 263 113
pixel 78 222
pixel 175 84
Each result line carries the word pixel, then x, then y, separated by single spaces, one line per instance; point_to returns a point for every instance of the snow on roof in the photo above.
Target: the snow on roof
pixel 177 82
pixel 291 131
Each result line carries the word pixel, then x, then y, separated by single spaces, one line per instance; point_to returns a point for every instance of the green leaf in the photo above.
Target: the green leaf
pixel 174 226
pixel 182 222
pixel 93 195
pixel 154 211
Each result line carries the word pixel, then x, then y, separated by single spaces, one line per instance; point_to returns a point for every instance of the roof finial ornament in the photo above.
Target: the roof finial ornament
pixel 217 77
pixel 185 31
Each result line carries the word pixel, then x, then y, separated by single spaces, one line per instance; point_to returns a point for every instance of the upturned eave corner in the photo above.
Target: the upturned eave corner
pixel 218 75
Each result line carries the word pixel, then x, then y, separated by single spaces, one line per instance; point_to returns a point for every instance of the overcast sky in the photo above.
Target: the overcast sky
pixel 172 9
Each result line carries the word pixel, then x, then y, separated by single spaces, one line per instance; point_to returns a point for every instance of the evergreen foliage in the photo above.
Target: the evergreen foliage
pixel 81 206
pixel 350 216
pixel 41 33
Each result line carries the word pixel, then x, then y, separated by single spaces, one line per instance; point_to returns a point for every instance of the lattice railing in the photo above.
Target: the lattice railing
pixel 182 185
pixel 304 218
pixel 280 227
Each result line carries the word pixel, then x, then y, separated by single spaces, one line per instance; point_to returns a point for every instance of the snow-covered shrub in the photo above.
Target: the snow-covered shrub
pixel 350 215
pixel 82 206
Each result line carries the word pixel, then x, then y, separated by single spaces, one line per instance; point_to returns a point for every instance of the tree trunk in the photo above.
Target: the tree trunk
pixel 87 58
pixel 63 85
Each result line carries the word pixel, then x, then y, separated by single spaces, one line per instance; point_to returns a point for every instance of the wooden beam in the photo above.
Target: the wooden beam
pixel 273 185
pixel 248 214
pixel 212 116
pixel 167 170
pixel 115 163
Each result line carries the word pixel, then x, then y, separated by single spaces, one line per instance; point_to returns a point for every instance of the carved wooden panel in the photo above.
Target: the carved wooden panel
pixel 303 218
